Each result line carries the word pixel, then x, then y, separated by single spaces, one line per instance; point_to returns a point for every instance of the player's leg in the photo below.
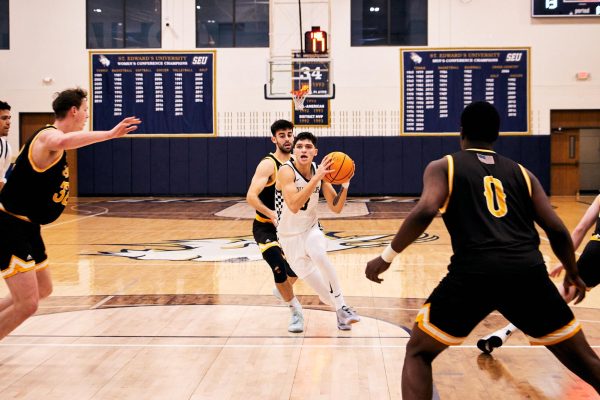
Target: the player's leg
pixel 576 354
pixel 417 378
pixel 316 247
pixel 453 309
pixel 44 280
pixel 543 315
pixel 266 238
pixel 274 257
pixel 44 287
pixel 24 293
pixel 283 281
pixel 587 266
pixel 316 281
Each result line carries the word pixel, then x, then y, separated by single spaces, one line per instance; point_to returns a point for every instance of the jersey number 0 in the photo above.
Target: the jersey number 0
pixel 494 196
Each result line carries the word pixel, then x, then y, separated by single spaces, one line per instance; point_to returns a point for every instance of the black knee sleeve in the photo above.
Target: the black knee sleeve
pixel 281 269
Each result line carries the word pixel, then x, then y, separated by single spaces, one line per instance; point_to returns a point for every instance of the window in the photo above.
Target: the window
pixel 389 22
pixel 123 24
pixel 4 30
pixel 232 23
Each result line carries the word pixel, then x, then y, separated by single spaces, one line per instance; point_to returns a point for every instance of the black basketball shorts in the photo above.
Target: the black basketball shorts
pixel 21 246
pixel 528 299
pixel 589 264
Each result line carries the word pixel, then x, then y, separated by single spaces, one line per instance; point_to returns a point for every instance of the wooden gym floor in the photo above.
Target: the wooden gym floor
pixel 164 298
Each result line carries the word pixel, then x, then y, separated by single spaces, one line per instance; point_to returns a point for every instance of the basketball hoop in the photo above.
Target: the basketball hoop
pixel 299 96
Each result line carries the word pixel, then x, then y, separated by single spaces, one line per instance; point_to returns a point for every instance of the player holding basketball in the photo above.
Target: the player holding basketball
pixel 588 266
pixel 5 150
pixel 261 196
pixel 36 194
pixel 489 204
pixel 299 182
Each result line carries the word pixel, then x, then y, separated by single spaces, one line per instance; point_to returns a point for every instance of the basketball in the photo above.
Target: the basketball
pixel 342 166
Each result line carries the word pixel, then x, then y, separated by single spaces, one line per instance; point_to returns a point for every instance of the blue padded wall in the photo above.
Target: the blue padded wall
pixel 224 166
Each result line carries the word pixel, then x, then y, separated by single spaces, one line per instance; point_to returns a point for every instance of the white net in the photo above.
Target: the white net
pixel 299 96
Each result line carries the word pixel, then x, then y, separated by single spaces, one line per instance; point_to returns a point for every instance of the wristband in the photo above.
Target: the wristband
pixel 388 254
pixel 346 185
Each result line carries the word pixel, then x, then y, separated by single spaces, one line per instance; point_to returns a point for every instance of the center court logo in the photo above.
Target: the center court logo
pixel 238 249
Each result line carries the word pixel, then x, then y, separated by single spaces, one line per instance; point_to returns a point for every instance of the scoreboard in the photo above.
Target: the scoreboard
pixel 565 8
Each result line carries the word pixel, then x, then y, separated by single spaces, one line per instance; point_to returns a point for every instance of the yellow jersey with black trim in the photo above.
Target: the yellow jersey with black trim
pixel 267 195
pixel 489 213
pixel 38 194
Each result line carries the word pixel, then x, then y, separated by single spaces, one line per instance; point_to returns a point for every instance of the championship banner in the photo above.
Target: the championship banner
pixel 316 109
pixel 436 85
pixel 173 93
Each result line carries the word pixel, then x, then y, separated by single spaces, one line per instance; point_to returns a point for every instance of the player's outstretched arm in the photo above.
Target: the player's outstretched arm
pixel 56 140
pixel 558 235
pixel 584 225
pixel 435 191
pixel 264 171
pixel 586 222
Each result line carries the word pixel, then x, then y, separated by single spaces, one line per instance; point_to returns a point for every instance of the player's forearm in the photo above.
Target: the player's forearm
pixel 75 140
pixel 414 225
pixel 562 246
pixel 258 205
pixel 577 236
pixel 295 200
pixel 337 203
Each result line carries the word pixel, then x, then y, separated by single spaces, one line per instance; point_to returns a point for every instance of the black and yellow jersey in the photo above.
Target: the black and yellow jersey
pixel 267 195
pixel 489 213
pixel 35 194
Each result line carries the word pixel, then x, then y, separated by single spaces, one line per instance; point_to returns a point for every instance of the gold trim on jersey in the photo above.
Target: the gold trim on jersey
pixel 596 237
pixel 526 176
pixel 21 217
pixel 558 335
pixel 262 219
pixel 266 246
pixel 17 265
pixel 426 326
pixel 481 150
pixel 450 182
pixel 30 155
pixel 42 265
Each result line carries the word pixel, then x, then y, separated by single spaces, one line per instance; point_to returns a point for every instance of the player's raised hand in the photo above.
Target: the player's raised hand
pixel 323 168
pixel 128 124
pixel 375 267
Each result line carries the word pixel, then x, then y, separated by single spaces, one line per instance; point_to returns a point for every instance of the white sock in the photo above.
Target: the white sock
pixel 294 304
pixel 315 281
pixel 509 330
pixel 504 333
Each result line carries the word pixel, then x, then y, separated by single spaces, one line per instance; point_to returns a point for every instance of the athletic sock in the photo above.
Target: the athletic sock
pixel 294 304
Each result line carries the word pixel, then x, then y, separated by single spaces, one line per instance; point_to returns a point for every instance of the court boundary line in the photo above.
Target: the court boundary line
pixel 252 346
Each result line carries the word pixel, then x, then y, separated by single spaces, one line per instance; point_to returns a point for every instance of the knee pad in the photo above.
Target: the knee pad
pixel 279 265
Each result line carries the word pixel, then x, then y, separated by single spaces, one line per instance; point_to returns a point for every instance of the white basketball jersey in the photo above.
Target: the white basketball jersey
pixel 288 223
pixel 5 157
